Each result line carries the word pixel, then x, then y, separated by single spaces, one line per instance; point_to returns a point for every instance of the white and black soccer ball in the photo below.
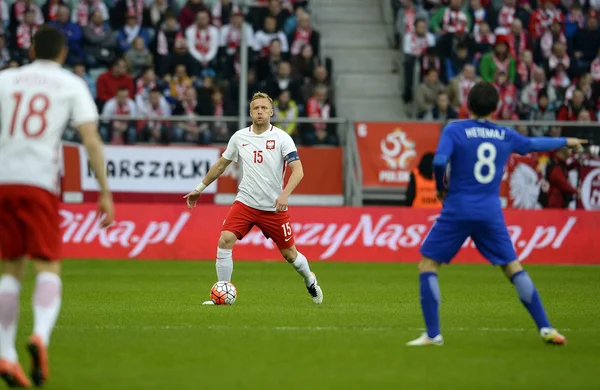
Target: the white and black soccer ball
pixel 223 293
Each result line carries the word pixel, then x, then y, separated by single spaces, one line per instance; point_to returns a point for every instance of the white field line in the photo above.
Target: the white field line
pixel 305 328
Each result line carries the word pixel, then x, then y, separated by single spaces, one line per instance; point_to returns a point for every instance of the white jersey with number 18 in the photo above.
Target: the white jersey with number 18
pixel 36 103
pixel 263 159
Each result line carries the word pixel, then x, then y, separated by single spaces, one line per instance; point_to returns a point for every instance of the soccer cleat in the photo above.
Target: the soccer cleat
pixel 208 303
pixel 551 336
pixel 315 291
pixel 39 360
pixel 426 340
pixel 13 374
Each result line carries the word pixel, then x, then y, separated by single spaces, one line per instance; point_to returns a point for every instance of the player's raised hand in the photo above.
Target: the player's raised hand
pixel 576 143
pixel 192 198
pixel 106 208
pixel 281 203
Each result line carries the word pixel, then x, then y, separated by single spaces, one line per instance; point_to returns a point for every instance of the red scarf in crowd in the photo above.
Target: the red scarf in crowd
pixel 143 89
pixel 85 11
pixel 301 38
pixel 508 97
pixel 316 110
pixel 410 16
pixel 135 7
pixel 525 71
pixel 203 41
pixel 506 16
pixel 25 35
pixel 534 92
pixel 512 47
pixel 53 11
pixel 426 64
pixel 501 66
pixel 464 87
pixel 157 112
pixel 554 61
pixel 560 80
pixel 548 40
pixel 454 21
pixel 419 44
pixel 595 69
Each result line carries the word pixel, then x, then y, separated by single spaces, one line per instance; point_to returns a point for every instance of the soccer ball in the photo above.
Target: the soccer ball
pixel 223 293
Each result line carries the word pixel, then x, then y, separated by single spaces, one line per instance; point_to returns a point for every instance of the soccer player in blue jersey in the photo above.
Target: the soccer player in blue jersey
pixel 472 154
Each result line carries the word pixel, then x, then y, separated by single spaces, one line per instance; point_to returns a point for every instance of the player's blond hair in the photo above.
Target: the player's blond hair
pixel 261 95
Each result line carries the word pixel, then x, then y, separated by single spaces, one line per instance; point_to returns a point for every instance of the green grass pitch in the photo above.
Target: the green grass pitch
pixel 140 325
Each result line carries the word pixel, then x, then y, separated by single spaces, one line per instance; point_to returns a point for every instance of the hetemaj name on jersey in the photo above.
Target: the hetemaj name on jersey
pixel 151 169
pixel 483 132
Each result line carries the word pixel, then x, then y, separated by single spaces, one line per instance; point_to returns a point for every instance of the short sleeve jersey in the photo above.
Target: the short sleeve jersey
pixel 263 159
pixel 36 103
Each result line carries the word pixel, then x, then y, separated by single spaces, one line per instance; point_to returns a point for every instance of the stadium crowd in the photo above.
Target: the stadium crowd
pixel 542 55
pixel 155 58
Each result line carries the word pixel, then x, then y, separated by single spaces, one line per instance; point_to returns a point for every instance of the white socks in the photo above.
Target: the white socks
pixel 224 264
pixel 301 266
pixel 46 304
pixel 10 289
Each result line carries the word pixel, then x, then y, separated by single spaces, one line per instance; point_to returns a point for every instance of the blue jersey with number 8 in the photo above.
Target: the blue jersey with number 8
pixel 477 152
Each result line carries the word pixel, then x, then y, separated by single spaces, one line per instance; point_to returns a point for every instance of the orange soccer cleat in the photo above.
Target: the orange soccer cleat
pixel 13 374
pixel 39 360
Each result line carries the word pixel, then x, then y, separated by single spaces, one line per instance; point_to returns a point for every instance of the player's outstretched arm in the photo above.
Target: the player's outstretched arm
pixel 281 203
pixel 524 145
pixel 93 145
pixel 213 174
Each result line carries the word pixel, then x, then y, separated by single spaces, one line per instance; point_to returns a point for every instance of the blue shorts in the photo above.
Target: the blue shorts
pixel 491 238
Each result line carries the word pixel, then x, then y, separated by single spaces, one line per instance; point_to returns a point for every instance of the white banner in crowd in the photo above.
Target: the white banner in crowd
pixel 151 169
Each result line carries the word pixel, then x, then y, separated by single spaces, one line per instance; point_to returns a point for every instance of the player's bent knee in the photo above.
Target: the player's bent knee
pixel 289 254
pixel 15 268
pixel 46 266
pixel 512 268
pixel 227 240
pixel 428 265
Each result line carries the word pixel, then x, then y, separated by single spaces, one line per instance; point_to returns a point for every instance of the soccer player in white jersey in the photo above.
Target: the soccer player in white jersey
pixel 263 151
pixel 36 102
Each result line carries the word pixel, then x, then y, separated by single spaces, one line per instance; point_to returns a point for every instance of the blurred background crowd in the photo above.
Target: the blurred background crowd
pixel 542 55
pixel 157 58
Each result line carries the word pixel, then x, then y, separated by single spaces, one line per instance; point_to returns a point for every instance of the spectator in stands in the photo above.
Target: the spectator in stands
pixel 304 35
pixel 221 131
pixel 146 84
pixel 458 60
pixel 460 86
pixel 284 80
pixel 518 39
pixel 229 50
pixel 442 110
pixel 450 19
pixel 584 84
pixel 530 95
pixel 570 111
pixel 415 45
pixel 181 56
pixel 73 33
pixel 544 110
pixel 122 10
pixel 155 131
pixel 131 31
pixel 223 11
pixel 99 42
pixel 559 191
pixel 187 15
pixel 480 14
pixel 252 87
pixel 511 11
pixel 484 40
pixel 85 9
pixel 574 21
pixel 180 82
pixel 203 42
pixel 164 43
pixel 304 64
pixel 320 77
pixel 50 10
pixel 407 17
pixel 543 17
pixel 587 41
pixel 431 60
pixel 285 113
pixel 267 66
pixel 4 53
pixel 80 70
pixel 427 92
pixel 113 80
pixel 525 68
pixel 498 60
pixel 17 14
pixel 595 71
pixel 24 35
pixel 276 11
pixel 158 12
pixel 509 96
pixel 138 57
pixel 559 56
pixel 318 107
pixel 119 131
pixel 191 130
pixel 267 34
pixel 551 36
pixel 292 21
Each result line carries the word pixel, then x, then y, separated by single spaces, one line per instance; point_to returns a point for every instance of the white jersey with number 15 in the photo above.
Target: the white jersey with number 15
pixel 263 161
pixel 36 103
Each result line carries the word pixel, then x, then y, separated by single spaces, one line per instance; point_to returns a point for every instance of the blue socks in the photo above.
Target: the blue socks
pixel 530 298
pixel 430 302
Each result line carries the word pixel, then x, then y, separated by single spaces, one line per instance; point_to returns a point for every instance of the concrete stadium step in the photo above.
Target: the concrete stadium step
pixel 339 13
pixel 344 35
pixel 370 109
pixel 368 85
pixel 363 60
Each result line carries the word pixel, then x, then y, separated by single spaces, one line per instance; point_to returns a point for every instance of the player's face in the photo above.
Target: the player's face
pixel 261 111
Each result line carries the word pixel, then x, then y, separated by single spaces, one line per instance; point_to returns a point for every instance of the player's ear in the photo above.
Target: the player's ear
pixel 62 57
pixel 31 53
